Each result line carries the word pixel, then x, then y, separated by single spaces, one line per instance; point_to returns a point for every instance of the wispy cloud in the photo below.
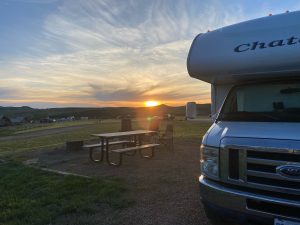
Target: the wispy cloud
pixel 8 93
pixel 105 52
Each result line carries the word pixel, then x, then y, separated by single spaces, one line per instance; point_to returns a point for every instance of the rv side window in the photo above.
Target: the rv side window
pixel 278 101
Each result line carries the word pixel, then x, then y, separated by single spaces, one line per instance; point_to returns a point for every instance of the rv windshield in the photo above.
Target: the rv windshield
pixel 275 102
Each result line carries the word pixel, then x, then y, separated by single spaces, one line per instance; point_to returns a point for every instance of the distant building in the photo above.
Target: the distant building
pixel 191 110
pixel 4 121
pixel 18 120
pixel 63 119
pixel 47 120
pixel 70 118
pixel 84 118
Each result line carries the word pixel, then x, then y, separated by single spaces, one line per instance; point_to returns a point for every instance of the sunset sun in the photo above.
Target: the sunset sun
pixel 151 103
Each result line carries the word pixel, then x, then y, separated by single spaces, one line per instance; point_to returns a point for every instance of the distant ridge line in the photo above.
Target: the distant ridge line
pixel 99 113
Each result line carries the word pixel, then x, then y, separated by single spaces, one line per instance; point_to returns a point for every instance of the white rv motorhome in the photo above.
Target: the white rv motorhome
pixel 250 157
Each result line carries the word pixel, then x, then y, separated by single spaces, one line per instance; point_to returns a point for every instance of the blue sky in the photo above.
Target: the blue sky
pixel 56 53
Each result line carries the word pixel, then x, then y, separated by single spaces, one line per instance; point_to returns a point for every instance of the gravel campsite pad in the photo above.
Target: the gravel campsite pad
pixel 164 189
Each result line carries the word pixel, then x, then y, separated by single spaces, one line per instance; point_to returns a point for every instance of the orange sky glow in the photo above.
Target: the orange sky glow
pixel 66 60
pixel 99 53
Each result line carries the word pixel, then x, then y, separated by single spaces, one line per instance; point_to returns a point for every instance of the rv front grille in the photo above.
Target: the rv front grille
pixel 233 159
pixel 261 171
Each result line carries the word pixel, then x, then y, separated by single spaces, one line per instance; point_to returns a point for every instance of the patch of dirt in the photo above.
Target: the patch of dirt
pixel 165 188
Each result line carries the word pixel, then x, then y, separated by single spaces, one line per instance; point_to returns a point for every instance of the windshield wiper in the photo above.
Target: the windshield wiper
pixel 269 116
pixel 246 115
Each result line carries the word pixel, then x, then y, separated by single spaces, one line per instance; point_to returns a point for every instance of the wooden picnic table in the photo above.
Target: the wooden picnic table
pixel 136 135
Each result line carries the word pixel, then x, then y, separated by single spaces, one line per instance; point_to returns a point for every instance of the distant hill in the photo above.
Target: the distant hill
pixel 100 113
pixel 17 111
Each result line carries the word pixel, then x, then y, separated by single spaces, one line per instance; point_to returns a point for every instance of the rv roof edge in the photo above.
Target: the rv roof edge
pixel 262 48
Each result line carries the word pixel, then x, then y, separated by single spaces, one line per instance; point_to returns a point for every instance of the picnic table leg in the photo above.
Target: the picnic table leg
pixel 107 156
pixel 135 143
pixel 140 139
pixel 156 137
pixel 141 150
pixel 147 156
pixel 135 140
pixel 101 157
pixel 92 157
pixel 113 163
pixel 107 149
pixel 102 149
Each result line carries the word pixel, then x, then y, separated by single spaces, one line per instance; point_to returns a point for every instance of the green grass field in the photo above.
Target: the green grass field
pixel 25 128
pixel 192 131
pixel 54 140
pixel 30 196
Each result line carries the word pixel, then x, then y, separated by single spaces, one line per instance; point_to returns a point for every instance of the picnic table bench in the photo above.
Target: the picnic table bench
pixel 92 147
pixel 97 145
pixel 132 145
pixel 139 148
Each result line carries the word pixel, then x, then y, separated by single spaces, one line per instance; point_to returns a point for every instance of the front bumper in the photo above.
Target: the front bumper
pixel 232 204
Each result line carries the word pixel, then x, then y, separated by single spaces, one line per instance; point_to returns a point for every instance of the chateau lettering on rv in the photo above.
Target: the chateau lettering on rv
pixel 262 45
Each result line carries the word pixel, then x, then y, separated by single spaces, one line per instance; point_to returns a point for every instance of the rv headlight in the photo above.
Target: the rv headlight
pixel 210 161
